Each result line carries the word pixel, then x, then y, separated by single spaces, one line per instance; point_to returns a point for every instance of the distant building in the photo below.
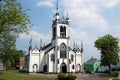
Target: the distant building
pixel 21 63
pixel 93 65
pixel 57 56
pixel 1 64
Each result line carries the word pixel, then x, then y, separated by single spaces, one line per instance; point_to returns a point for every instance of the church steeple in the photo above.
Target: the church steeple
pixel 30 44
pixel 81 47
pixel 57 11
pixel 41 44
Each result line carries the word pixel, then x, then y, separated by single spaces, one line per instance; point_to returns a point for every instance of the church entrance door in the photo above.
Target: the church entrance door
pixel 63 68
pixel 35 68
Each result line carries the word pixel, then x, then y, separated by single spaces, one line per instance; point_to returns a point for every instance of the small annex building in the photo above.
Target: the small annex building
pixel 93 65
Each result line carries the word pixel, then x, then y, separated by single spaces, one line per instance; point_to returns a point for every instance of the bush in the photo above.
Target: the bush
pixel 71 77
pixel 63 76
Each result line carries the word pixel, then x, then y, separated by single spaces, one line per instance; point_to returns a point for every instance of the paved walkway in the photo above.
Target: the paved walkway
pixel 80 76
pixel 91 77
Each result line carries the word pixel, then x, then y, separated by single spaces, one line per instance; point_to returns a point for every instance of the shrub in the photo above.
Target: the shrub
pixel 63 76
pixel 71 77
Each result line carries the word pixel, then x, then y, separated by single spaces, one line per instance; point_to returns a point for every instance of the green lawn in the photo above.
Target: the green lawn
pixel 15 75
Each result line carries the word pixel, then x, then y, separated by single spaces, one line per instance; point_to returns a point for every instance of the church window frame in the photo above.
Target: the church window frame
pixel 62 31
pixel 52 57
pixel 54 32
pixel 63 53
pixel 73 67
pixel 72 57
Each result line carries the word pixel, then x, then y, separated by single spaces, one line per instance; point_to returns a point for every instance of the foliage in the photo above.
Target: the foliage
pixel 11 59
pixel 13 20
pixel 15 75
pixel 109 48
pixel 12 17
pixel 63 76
pixel 71 77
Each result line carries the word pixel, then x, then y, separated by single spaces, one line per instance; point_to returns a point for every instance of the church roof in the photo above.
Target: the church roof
pixel 92 61
pixel 47 46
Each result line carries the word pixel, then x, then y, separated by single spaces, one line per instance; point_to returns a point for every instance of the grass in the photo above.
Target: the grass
pixel 16 75
pixel 109 75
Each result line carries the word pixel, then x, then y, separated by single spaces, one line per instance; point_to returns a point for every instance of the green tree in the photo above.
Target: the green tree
pixel 14 57
pixel 13 20
pixel 109 48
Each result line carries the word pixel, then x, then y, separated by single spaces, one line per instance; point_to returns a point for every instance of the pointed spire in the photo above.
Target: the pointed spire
pixel 67 16
pixel 57 4
pixel 81 47
pixel 41 44
pixel 57 11
pixel 76 46
pixel 73 45
pixel 30 44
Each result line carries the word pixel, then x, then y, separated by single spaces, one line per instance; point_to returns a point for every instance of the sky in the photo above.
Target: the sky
pixel 89 19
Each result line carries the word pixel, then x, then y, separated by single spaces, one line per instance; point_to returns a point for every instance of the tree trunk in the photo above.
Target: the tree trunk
pixel 109 68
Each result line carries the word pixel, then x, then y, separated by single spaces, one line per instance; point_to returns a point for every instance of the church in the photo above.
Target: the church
pixel 57 56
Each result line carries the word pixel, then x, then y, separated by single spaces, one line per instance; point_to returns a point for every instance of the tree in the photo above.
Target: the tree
pixel 109 48
pixel 14 57
pixel 13 20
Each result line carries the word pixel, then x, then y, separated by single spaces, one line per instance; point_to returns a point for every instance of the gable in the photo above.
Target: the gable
pixel 35 50
pixel 92 61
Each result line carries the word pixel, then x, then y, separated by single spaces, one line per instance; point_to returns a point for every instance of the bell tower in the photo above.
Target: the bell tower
pixel 60 27
pixel 61 41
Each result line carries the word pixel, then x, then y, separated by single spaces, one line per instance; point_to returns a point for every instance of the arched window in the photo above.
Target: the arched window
pixel 62 50
pixel 54 32
pixel 52 57
pixel 73 66
pixel 72 57
pixel 62 31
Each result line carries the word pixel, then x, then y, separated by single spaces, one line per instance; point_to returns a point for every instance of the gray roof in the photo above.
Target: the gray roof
pixel 92 60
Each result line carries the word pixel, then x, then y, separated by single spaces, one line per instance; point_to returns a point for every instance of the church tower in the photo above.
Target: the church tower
pixel 61 41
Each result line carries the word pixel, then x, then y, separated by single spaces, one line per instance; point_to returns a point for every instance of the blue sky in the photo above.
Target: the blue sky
pixel 89 19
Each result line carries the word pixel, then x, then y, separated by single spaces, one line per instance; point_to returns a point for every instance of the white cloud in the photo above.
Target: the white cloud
pixel 35 35
pixel 84 13
pixel 45 3
pixel 76 34
pixel 112 3
pixel 88 14
pixel 116 30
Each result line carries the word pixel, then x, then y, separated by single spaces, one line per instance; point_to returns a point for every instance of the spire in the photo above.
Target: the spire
pixel 57 11
pixel 76 46
pixel 81 47
pixel 56 4
pixel 73 45
pixel 30 44
pixel 67 16
pixel 41 44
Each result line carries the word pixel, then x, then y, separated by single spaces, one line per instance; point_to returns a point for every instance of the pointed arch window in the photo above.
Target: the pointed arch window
pixel 54 32
pixel 62 31
pixel 62 50
pixel 72 57
pixel 52 57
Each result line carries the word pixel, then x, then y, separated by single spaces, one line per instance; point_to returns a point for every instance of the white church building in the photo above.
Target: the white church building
pixel 57 56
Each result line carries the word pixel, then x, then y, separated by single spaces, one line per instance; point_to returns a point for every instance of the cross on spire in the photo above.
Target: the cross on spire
pixel 57 4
